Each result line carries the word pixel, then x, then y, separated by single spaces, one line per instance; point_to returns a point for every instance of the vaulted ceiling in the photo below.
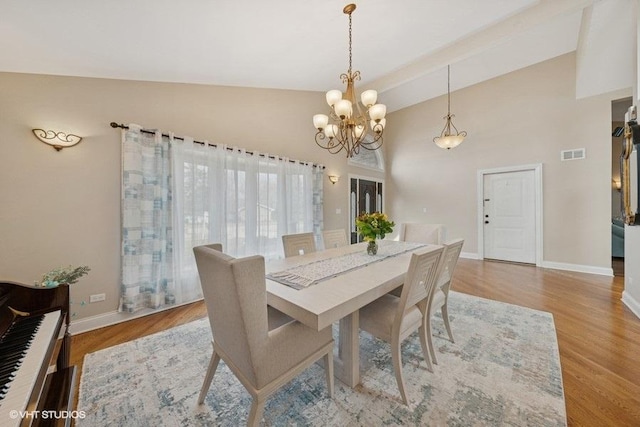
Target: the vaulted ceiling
pixel 402 48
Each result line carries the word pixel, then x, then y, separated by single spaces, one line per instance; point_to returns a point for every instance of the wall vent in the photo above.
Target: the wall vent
pixel 575 154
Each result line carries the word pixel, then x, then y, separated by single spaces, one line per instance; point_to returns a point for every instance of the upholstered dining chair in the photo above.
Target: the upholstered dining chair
pixel 440 299
pixel 298 244
pixel 422 233
pixel 262 358
pixel 334 238
pixel 393 318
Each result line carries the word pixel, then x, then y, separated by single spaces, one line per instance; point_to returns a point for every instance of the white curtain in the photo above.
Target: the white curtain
pixel 214 194
pixel 244 201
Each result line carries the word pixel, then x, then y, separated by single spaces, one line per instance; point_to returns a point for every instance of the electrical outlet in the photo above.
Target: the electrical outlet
pixel 97 298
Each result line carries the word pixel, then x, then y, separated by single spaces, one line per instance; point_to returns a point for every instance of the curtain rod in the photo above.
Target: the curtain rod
pixel 123 126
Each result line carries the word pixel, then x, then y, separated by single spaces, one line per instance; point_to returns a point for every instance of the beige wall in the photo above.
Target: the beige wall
pixel 61 208
pixel 524 117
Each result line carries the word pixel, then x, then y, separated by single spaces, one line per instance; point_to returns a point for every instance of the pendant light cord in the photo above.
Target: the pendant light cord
pixel 449 90
pixel 350 54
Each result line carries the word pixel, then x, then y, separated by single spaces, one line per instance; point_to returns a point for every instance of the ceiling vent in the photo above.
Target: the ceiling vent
pixel 575 154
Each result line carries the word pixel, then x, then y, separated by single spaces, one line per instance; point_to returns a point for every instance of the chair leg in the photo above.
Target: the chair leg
pixel 255 415
pixel 425 345
pixel 397 367
pixel 328 370
pixel 445 317
pixel 213 365
pixel 430 339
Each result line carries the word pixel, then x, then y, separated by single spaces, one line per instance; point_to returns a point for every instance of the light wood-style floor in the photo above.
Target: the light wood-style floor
pixel 598 336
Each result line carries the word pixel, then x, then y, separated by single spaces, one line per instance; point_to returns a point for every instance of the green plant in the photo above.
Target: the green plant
pixel 62 275
pixel 374 225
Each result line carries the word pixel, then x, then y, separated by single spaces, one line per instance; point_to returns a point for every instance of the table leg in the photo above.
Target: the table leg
pixel 347 364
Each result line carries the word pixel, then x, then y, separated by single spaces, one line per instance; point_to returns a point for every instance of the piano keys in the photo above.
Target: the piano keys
pixel 31 320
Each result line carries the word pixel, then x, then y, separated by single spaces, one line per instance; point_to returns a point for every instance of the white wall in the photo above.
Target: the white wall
pixel 605 56
pixel 631 294
pixel 524 117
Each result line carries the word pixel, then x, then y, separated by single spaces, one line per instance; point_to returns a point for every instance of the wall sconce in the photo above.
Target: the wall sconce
pixel 57 140
pixel 334 178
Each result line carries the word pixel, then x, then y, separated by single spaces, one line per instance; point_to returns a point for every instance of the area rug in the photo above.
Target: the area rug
pixel 502 370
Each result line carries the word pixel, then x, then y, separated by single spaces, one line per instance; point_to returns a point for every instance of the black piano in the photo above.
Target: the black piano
pixel 31 321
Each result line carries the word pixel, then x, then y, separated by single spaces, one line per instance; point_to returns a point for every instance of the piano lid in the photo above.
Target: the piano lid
pixel 30 299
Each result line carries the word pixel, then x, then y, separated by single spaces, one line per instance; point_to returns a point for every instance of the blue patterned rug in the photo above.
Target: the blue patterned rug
pixel 503 370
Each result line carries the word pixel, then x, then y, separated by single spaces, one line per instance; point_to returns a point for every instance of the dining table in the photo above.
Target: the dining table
pixel 321 288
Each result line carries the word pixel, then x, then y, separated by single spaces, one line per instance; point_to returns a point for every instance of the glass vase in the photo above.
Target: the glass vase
pixel 372 247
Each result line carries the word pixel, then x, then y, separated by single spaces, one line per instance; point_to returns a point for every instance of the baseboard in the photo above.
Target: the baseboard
pixel 469 255
pixel 114 317
pixel 602 271
pixel 96 322
pixel 631 302
pixel 111 318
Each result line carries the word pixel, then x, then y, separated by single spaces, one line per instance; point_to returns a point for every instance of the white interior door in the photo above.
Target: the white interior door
pixel 509 210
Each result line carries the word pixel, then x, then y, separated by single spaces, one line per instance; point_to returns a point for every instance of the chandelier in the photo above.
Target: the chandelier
pixel 353 125
pixel 447 138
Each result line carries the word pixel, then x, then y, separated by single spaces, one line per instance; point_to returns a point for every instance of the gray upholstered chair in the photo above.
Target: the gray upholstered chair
pixel 334 238
pixel 422 233
pixel 440 299
pixel 298 244
pixel 262 358
pixel 393 318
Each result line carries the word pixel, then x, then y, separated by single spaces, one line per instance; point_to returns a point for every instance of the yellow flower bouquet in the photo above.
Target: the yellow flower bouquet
pixel 373 226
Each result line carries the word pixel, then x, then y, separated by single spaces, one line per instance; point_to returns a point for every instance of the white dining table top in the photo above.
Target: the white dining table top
pixel 326 302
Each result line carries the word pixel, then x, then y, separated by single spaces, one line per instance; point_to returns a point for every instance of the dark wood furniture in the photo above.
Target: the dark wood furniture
pixel 31 321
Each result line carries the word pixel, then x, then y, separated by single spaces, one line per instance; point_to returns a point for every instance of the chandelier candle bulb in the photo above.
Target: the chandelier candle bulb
pixel 320 121
pixel 343 108
pixel 333 96
pixel 377 112
pixel 369 97
pixel 331 131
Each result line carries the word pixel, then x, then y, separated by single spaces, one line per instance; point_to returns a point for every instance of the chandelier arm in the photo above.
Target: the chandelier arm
pixel 454 128
pixel 333 145
pixel 345 138
pixel 373 145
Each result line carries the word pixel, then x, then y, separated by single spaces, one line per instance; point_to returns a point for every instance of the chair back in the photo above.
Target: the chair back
pixel 334 238
pixel 214 246
pixel 236 297
pixel 451 255
pixel 298 244
pixel 422 233
pixel 420 279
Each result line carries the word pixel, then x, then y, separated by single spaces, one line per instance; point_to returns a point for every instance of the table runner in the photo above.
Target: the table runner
pixel 303 276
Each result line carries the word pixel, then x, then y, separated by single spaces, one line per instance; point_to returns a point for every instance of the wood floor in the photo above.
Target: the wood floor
pixel 598 336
